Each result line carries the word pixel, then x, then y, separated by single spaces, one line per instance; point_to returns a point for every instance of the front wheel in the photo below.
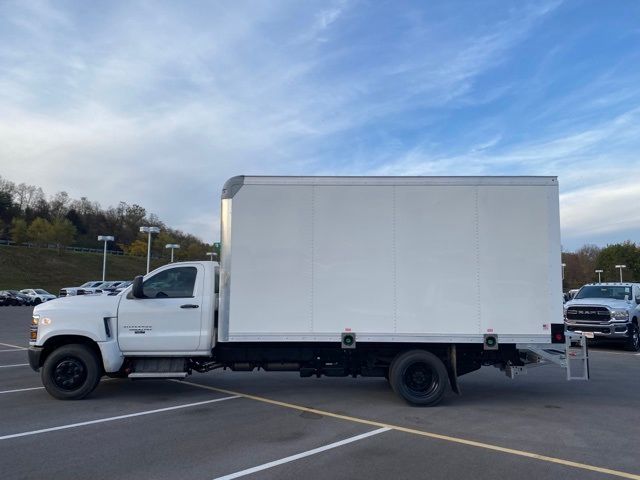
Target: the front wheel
pixel 419 377
pixel 37 301
pixel 633 340
pixel 71 372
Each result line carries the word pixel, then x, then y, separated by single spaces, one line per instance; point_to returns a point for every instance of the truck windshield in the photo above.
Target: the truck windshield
pixel 617 292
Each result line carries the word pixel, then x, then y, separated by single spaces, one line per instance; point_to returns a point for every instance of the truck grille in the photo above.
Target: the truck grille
pixel 593 314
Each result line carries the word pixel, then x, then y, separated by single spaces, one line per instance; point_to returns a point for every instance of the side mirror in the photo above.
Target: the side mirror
pixel 136 287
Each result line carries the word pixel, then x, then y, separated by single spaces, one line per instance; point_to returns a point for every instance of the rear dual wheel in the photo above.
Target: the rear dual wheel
pixel 419 377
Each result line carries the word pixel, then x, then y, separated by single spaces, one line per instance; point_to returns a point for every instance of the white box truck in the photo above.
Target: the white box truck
pixel 416 279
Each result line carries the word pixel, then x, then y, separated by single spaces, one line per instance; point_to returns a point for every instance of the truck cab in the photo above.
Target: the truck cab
pixel 608 310
pixel 173 317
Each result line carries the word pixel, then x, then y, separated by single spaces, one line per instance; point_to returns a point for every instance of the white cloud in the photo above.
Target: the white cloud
pixel 602 209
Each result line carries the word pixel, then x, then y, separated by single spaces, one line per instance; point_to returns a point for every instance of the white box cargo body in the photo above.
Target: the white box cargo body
pixel 393 259
pixel 419 280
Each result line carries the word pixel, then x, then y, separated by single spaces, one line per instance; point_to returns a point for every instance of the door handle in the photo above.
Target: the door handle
pixel 189 305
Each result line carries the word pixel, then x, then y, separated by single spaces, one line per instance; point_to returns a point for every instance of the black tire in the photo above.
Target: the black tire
pixel 633 340
pixel 37 301
pixel 71 372
pixel 419 377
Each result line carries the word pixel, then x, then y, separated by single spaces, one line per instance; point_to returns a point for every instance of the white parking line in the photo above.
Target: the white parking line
pixel 297 456
pixel 12 350
pixel 21 390
pixel 111 419
pixel 14 346
pixel 591 350
pixel 16 390
pixel 15 365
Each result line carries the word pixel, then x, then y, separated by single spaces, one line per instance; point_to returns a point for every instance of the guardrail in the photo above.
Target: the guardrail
pixel 10 243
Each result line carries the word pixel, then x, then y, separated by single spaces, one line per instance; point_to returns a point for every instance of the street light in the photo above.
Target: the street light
pixel 212 255
pixel 599 272
pixel 621 267
pixel 149 230
pixel 172 246
pixel 105 239
pixel 563 265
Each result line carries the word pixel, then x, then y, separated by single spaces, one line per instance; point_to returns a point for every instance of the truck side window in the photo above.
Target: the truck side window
pixel 171 283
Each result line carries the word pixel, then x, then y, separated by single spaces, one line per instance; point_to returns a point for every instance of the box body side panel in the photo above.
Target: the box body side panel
pixel 353 259
pixel 398 263
pixel 436 260
pixel 270 277
pixel 515 265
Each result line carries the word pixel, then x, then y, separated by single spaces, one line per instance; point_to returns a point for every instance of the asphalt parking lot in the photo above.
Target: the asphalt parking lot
pixel 278 425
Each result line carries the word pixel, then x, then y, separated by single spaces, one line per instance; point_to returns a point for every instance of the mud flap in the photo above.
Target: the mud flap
pixel 452 369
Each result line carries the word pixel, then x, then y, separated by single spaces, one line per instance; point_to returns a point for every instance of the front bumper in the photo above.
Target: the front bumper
pixel 34 357
pixel 609 330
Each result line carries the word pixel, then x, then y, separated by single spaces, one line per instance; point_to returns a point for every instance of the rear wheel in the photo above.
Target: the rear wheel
pixel 419 377
pixel 71 372
pixel 633 340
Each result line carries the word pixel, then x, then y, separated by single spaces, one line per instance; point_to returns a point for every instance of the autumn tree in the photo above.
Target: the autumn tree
pixel 39 232
pixel 62 233
pixel 138 247
pixel 18 231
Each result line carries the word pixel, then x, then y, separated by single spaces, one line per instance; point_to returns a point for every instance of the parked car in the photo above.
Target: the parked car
pixel 26 299
pixel 116 290
pixel 4 299
pixel 13 298
pixel 38 295
pixel 611 311
pixel 87 287
pixel 109 287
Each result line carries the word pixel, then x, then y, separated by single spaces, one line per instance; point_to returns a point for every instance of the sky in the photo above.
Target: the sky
pixel 159 102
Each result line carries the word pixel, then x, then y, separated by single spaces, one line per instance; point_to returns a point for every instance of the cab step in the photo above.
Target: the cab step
pixel 159 367
pixel 158 375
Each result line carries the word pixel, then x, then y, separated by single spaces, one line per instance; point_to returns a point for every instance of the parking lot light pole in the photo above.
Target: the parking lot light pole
pixel 105 239
pixel 620 267
pixel 563 265
pixel 149 231
pixel 599 272
pixel 212 255
pixel 172 246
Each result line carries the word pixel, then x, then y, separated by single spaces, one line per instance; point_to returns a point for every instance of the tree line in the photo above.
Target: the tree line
pixel 581 265
pixel 28 215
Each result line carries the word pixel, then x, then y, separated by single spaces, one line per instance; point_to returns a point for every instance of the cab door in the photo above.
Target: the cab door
pixel 169 318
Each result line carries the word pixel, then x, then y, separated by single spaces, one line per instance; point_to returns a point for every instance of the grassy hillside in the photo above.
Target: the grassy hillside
pixel 40 268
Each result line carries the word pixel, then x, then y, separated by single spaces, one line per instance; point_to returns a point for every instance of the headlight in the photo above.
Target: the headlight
pixel 33 330
pixel 619 315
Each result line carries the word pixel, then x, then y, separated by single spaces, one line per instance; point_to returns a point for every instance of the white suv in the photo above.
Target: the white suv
pixel 38 295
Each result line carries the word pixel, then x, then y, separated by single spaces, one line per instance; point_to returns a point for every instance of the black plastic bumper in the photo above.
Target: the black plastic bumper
pixel 34 357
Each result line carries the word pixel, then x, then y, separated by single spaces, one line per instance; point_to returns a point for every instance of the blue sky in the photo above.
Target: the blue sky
pixel 157 103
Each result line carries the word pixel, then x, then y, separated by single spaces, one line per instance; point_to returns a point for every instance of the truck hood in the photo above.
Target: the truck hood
pixel 601 302
pixel 95 305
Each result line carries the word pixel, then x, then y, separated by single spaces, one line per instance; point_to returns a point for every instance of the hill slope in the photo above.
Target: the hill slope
pixel 40 268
